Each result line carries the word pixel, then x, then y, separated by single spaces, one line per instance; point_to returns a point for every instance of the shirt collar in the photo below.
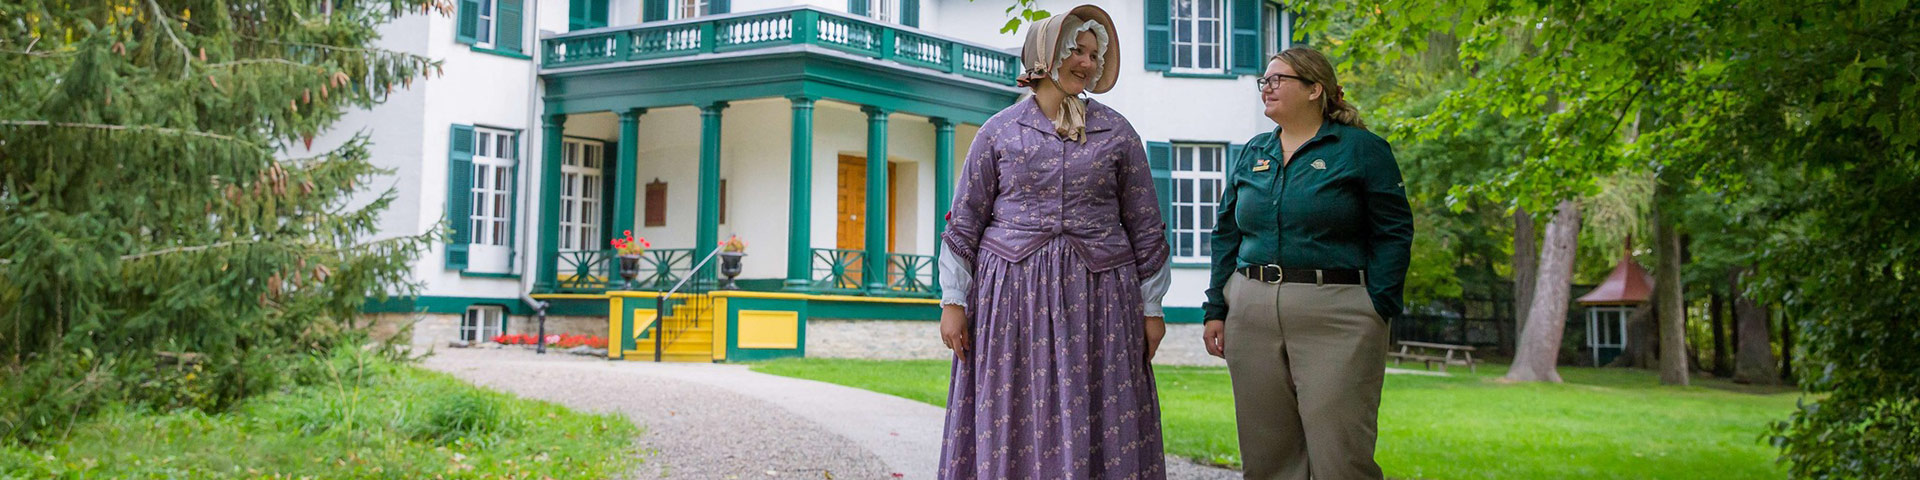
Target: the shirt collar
pixel 1329 131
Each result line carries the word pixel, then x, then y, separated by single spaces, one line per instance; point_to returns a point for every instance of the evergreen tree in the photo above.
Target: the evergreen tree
pixel 158 245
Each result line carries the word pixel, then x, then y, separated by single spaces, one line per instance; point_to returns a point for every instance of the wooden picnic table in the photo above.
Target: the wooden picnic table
pixel 1430 354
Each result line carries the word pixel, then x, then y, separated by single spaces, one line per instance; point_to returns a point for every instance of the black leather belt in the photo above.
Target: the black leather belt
pixel 1275 274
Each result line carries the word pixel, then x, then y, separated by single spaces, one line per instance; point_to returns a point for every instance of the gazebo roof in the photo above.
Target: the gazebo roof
pixel 1629 284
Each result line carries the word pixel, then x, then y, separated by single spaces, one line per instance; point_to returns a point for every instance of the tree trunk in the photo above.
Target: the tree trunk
pixel 1539 348
pixel 1721 366
pixel 1786 347
pixel 1526 267
pixel 1753 360
pixel 1668 296
pixel 1643 340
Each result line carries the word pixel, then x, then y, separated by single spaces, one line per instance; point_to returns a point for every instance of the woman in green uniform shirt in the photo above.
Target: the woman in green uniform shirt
pixel 1309 256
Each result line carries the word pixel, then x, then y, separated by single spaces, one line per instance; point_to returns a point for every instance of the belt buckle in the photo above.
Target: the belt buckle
pixel 1278 274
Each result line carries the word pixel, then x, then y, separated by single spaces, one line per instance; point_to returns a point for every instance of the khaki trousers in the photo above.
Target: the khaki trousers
pixel 1307 363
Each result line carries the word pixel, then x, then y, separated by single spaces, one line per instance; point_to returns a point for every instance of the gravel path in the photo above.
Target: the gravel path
pixel 704 421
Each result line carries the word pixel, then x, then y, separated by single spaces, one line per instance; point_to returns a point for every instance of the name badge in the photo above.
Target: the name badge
pixel 1262 165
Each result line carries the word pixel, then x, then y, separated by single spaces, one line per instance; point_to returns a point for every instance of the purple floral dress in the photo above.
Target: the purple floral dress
pixel 1060 236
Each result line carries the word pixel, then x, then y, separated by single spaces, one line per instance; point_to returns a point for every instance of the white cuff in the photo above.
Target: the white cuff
pixel 956 279
pixel 1154 289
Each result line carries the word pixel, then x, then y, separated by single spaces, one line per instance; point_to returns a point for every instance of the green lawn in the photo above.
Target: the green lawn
pixel 400 422
pixel 1602 423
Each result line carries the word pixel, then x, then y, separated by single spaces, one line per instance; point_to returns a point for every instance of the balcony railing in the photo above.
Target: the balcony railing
pixel 911 275
pixel 789 26
pixel 599 270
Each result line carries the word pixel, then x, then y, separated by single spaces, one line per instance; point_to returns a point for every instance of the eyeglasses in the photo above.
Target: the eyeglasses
pixel 1274 79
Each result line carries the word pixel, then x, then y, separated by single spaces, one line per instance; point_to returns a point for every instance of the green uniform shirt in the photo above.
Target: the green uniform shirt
pixel 1339 205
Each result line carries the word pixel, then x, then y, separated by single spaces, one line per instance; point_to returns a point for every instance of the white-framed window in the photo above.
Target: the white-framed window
pixel 1198 177
pixel 1199 36
pixel 483 36
pixel 884 10
pixel 691 8
pixel 483 322
pixel 492 191
pixel 580 194
pixel 1276 24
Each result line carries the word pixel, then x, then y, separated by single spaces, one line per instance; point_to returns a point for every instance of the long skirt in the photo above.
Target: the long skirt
pixel 1056 384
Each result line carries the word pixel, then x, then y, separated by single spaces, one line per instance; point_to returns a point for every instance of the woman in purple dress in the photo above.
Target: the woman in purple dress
pixel 1055 262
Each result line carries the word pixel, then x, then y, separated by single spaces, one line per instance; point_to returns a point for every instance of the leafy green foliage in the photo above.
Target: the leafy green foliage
pixel 1785 129
pixel 146 204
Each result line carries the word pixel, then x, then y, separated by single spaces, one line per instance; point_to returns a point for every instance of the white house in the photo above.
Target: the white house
pixel 822 132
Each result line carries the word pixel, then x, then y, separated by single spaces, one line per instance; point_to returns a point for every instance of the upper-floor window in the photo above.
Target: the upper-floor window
pixel 1199 35
pixel 1276 26
pixel 691 8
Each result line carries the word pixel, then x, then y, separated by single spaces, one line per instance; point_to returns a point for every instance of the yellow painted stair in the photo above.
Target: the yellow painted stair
pixel 693 344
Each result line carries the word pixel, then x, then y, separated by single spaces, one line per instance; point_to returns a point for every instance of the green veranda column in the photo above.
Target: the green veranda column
pixel 623 184
pixel 707 232
pixel 942 178
pixel 553 130
pixel 800 206
pixel 876 199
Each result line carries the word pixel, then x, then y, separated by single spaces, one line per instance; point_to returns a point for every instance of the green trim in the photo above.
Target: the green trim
pixel 873 311
pixel 699 81
pixel 1208 76
pixel 577 307
pixel 443 305
pixel 800 201
pixel 1184 314
pixel 503 53
pixel 1199 265
pixel 465 273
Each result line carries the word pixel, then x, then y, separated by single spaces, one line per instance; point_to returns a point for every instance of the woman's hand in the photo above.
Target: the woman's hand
pixel 1156 330
pixel 1215 338
pixel 953 328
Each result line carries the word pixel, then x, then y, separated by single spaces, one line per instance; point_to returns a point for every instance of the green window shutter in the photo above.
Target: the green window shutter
pixel 1159 36
pixel 467 28
pixel 910 13
pixel 459 195
pixel 716 7
pixel 608 175
pixel 597 13
pixel 653 10
pixel 857 7
pixel 1246 38
pixel 1160 161
pixel 507 22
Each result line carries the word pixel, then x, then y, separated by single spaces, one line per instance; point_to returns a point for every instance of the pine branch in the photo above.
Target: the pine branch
pixel 160 17
pixel 236 63
pixel 97 126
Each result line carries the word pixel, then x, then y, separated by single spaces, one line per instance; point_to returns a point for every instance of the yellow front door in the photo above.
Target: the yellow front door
pixel 850 226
